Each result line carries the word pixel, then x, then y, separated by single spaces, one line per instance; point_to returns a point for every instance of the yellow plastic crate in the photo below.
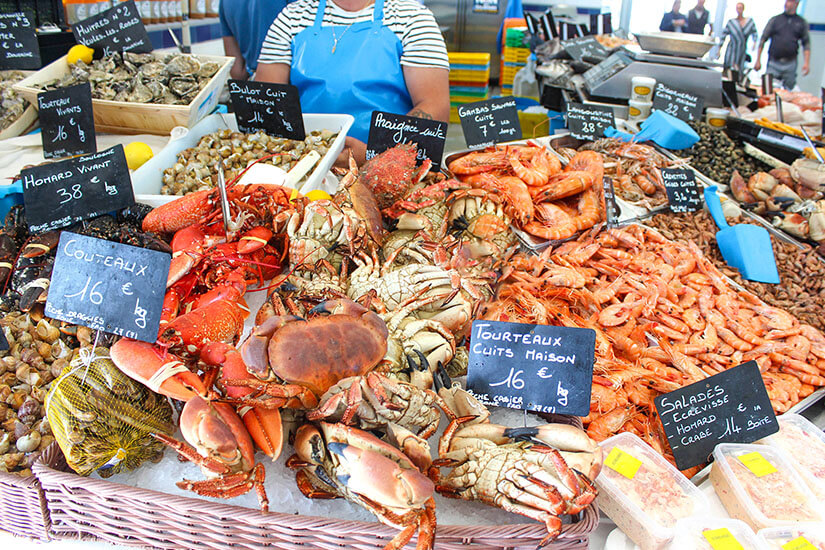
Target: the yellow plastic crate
pixel 454 118
pixel 516 55
pixel 469 58
pixel 466 98
pixel 534 125
pixel 508 75
pixel 463 75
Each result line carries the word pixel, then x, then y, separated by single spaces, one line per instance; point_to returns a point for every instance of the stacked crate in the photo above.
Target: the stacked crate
pixel 469 79
pixel 513 57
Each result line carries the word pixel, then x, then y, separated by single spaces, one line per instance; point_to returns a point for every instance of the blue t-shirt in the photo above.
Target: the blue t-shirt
pixel 248 21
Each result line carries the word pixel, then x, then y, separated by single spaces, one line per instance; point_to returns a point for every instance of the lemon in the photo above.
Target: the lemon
pixel 318 195
pixel 79 52
pixel 137 153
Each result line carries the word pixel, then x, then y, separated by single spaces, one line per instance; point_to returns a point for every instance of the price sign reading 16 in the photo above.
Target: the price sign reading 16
pixel 513 380
pixel 95 297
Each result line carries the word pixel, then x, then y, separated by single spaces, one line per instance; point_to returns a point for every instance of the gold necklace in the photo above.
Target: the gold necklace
pixel 335 39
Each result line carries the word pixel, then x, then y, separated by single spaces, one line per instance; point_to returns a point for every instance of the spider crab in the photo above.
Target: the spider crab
pixel 340 461
pixel 391 174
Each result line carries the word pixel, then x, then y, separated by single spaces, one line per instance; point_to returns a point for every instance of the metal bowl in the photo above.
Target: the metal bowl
pixel 675 43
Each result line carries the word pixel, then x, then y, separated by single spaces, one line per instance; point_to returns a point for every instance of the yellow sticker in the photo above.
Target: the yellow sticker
pixel 799 543
pixel 757 464
pixel 722 539
pixel 622 462
pixel 642 90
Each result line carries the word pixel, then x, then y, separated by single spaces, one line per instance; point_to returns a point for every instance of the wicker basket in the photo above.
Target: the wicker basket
pixel 82 506
pixel 23 509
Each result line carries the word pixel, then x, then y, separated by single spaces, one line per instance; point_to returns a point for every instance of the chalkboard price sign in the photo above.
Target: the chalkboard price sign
pixel 62 193
pixel 677 103
pixel 118 29
pixel 682 190
pixel 108 286
pixel 388 130
pixel 67 121
pixel 587 46
pixel 588 122
pixel 273 108
pixel 531 367
pixel 18 43
pixel 488 122
pixel 730 407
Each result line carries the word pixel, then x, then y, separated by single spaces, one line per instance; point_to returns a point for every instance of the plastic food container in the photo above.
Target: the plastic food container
pixel 714 534
pixel 641 88
pixel 638 110
pixel 806 444
pixel 804 536
pixel 759 486
pixel 717 118
pixel 644 494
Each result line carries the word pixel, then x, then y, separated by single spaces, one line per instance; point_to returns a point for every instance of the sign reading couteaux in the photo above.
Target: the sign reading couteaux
pixel 683 193
pixel 67 121
pixel 388 130
pixel 588 122
pixel 19 48
pixel 108 286
pixel 118 29
pixel 488 122
pixel 682 105
pixel 531 367
pixel 730 407
pixel 62 193
pixel 273 108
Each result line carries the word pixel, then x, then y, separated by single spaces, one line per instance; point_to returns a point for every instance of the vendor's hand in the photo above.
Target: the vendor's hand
pixel 358 149
pixel 806 68
pixel 679 22
pixel 757 66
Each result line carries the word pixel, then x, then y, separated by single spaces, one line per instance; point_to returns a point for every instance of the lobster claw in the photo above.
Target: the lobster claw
pixel 157 369
pixel 174 216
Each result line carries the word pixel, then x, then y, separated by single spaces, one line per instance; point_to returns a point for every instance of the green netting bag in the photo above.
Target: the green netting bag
pixel 102 419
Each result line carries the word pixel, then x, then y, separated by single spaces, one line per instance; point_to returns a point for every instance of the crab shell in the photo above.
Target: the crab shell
pixel 365 465
pixel 809 173
pixel 217 432
pixel 390 174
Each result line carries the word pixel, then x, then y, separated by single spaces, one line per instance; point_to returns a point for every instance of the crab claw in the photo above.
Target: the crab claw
pixel 217 432
pixel 416 448
pixel 254 350
pixel 157 369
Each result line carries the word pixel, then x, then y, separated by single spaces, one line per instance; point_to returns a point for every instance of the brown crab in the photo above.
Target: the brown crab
pixel 391 174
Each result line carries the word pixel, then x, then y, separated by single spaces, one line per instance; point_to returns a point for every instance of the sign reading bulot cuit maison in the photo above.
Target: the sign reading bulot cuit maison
pixel 273 108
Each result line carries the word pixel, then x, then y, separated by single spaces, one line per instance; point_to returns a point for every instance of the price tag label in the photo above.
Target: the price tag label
pixel 722 539
pixel 531 367
pixel 488 122
pixel 67 121
pixel 388 130
pixel 588 122
pixel 683 193
pixel 677 103
pixel 757 464
pixel 729 407
pixel 799 543
pixel 624 463
pixel 19 48
pixel 273 108
pixel 62 193
pixel 108 286
pixel 118 29
pixel 579 48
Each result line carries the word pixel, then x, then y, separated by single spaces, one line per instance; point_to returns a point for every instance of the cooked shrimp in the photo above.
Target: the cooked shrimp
pixel 519 202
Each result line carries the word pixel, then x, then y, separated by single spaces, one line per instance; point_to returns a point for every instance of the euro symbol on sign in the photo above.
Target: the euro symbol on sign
pixel 95 180
pixel 542 373
pixel 127 289
pixel 268 111
pixel 5 45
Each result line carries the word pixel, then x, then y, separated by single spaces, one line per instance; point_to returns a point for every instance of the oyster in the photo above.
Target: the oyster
pixel 182 65
pixel 140 93
pixel 12 105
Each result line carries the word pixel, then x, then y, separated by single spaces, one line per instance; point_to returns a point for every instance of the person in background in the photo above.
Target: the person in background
pixel 673 21
pixel 356 57
pixel 738 30
pixel 786 31
pixel 244 24
pixel 697 19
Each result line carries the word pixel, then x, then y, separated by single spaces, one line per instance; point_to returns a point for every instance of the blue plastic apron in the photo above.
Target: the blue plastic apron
pixel 362 75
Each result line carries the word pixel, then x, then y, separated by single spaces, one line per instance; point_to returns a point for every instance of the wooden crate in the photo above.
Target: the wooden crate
pixel 121 117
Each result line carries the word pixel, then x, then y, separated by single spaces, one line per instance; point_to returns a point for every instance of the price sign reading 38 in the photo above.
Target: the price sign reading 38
pixel 108 286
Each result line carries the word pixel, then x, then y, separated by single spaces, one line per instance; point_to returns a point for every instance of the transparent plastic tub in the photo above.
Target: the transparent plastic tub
pixel 802 440
pixel 803 536
pixel 643 493
pixel 713 534
pixel 758 485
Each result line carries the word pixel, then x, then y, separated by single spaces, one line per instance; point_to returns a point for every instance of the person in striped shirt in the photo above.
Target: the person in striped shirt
pixel 356 56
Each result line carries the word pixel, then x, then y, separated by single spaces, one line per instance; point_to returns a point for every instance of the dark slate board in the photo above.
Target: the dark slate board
pixel 488 122
pixel 388 130
pixel 552 371
pixel 683 193
pixel 108 286
pixel 19 48
pixel 118 29
pixel 680 104
pixel 62 193
pixel 729 407
pixel 273 108
pixel 67 121
pixel 588 122
pixel 586 46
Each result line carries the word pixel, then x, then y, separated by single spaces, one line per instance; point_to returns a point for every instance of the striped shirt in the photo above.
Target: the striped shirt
pixel 413 24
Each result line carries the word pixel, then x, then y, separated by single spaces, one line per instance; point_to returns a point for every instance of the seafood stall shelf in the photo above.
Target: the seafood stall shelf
pixel 125 117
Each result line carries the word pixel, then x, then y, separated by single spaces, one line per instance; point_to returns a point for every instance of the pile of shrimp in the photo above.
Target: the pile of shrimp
pixel 635 169
pixel 664 317
pixel 543 200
